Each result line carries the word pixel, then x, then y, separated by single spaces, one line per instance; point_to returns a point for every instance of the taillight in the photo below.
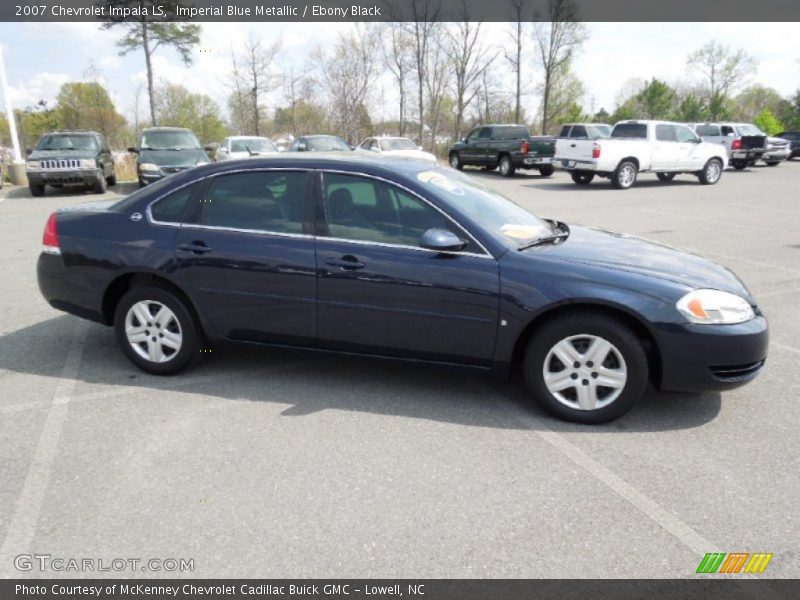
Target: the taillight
pixel 736 144
pixel 523 147
pixel 50 237
pixel 595 150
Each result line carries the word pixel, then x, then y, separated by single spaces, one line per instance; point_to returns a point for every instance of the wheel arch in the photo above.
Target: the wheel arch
pixel 632 159
pixel 632 319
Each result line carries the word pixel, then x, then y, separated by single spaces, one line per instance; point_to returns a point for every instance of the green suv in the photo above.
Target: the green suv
pixel 62 158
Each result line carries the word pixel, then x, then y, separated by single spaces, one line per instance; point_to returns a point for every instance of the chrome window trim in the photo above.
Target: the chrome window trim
pixel 486 253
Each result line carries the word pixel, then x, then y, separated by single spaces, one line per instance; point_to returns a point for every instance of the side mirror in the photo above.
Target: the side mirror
pixel 209 148
pixel 441 240
pixel 302 147
pixel 132 149
pixel 698 140
pixel 463 140
pixel 28 151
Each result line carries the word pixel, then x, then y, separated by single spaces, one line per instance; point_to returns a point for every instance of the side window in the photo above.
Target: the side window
pixel 473 135
pixel 564 131
pixel 727 130
pixel 368 210
pixel 665 133
pixel 271 201
pixel 486 133
pixel 684 134
pixel 579 131
pixel 172 208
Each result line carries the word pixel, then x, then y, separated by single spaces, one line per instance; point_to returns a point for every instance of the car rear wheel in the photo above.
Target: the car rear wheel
pixel 455 161
pixel 711 172
pixel 506 166
pixel 582 177
pixel 156 331
pixel 36 190
pixel 586 368
pixel 739 164
pixel 625 175
pixel 773 163
pixel 665 176
pixel 546 170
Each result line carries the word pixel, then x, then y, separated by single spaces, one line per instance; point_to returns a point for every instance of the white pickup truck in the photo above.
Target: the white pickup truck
pixel 640 146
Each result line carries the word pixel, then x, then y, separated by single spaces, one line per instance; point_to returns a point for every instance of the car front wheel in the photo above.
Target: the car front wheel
pixel 156 331
pixel 455 161
pixel 711 172
pixel 587 368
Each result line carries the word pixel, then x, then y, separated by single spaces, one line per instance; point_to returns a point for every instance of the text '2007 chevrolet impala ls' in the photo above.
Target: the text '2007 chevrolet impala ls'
pixel 398 258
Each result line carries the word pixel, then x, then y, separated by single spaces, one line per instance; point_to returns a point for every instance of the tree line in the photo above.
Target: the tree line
pixel 445 78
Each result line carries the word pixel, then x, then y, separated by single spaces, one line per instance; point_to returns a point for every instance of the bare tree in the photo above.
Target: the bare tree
pixel 514 58
pixel 557 40
pixel 722 69
pixel 295 86
pixel 252 78
pixel 436 81
pixel 469 58
pixel 423 27
pixel 398 61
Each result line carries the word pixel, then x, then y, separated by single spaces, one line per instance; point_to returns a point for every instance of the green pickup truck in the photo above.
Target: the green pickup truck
pixel 509 147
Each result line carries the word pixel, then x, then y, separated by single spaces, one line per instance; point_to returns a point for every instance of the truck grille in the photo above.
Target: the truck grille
pixel 69 163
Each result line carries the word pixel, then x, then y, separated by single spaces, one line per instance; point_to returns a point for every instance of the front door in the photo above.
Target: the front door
pixel 665 149
pixel 247 256
pixel 379 292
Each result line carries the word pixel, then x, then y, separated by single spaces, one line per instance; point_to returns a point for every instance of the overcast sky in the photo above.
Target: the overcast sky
pixel 42 56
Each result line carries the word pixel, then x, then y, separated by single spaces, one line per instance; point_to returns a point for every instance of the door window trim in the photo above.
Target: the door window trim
pixel 320 200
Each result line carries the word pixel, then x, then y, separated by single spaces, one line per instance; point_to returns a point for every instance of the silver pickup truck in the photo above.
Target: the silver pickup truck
pixel 744 142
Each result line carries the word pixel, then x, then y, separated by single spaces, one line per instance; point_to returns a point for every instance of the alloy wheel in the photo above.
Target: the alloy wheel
pixel 153 331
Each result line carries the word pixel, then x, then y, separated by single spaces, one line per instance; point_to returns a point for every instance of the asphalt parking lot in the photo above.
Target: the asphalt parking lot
pixel 269 463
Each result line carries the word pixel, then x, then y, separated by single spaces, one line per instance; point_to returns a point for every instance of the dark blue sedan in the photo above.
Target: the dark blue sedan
pixel 397 258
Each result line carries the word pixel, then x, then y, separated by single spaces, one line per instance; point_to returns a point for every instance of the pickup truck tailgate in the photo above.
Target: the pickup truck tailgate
pixel 575 150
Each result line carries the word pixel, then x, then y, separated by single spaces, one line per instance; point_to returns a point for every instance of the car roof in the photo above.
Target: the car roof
pixel 165 128
pixel 247 137
pixel 73 132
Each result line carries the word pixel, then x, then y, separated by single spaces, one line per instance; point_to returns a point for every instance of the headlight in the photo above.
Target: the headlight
pixel 148 167
pixel 34 164
pixel 88 163
pixel 715 307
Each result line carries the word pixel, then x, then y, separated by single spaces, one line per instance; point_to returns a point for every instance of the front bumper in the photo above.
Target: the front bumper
pixel 151 176
pixel 65 177
pixel 700 358
pixel 776 154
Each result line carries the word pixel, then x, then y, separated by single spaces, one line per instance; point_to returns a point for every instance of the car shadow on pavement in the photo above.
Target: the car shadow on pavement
pixel 121 189
pixel 311 382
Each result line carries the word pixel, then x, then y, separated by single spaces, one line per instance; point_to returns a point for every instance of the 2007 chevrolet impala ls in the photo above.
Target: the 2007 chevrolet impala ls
pixel 396 258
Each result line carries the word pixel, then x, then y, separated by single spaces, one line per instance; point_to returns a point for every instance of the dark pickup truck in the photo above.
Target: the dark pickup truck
pixel 509 147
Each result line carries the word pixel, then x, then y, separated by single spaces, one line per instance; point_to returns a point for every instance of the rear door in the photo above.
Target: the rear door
pixel 379 292
pixel 246 255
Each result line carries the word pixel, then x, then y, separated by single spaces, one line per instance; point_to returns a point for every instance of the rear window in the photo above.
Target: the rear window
pixel 702 130
pixel 630 130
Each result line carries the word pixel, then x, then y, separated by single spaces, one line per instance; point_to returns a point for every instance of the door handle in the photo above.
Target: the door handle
pixel 346 263
pixel 195 248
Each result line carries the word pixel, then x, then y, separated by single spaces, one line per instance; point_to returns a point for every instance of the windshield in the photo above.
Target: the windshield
pixel 67 142
pixel 256 144
pixel 169 140
pixel 326 144
pixel 398 144
pixel 630 130
pixel 598 131
pixel 750 130
pixel 485 206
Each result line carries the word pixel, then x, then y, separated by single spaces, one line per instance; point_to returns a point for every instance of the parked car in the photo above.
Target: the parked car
pixel 794 142
pixel 72 158
pixel 585 131
pixel 509 147
pixel 167 150
pixel 319 143
pixel 400 259
pixel 745 143
pixel 395 146
pixel 777 150
pixel 242 146
pixel 641 146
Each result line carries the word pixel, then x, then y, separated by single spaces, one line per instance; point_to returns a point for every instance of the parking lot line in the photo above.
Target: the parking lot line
pixel 29 503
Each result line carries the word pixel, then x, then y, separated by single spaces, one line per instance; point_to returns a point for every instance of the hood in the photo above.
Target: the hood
pixel 776 141
pixel 173 158
pixel 420 154
pixel 636 255
pixel 77 154
pixel 245 154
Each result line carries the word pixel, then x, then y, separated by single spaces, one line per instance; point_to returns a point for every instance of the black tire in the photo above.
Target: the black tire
pixel 712 172
pixel 582 177
pixel 624 175
pixel 739 164
pixel 546 170
pixel 507 167
pixel 610 329
pixel 665 176
pixel 111 180
pixel 455 161
pixel 190 332
pixel 36 190
pixel 100 186
pixel 773 163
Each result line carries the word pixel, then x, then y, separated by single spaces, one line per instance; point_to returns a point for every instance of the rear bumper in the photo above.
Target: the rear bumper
pixel 571 164
pixel 748 154
pixel 77 177
pixel 700 358
pixel 531 162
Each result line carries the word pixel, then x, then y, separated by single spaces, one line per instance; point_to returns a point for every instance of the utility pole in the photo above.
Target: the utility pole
pixel 16 170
